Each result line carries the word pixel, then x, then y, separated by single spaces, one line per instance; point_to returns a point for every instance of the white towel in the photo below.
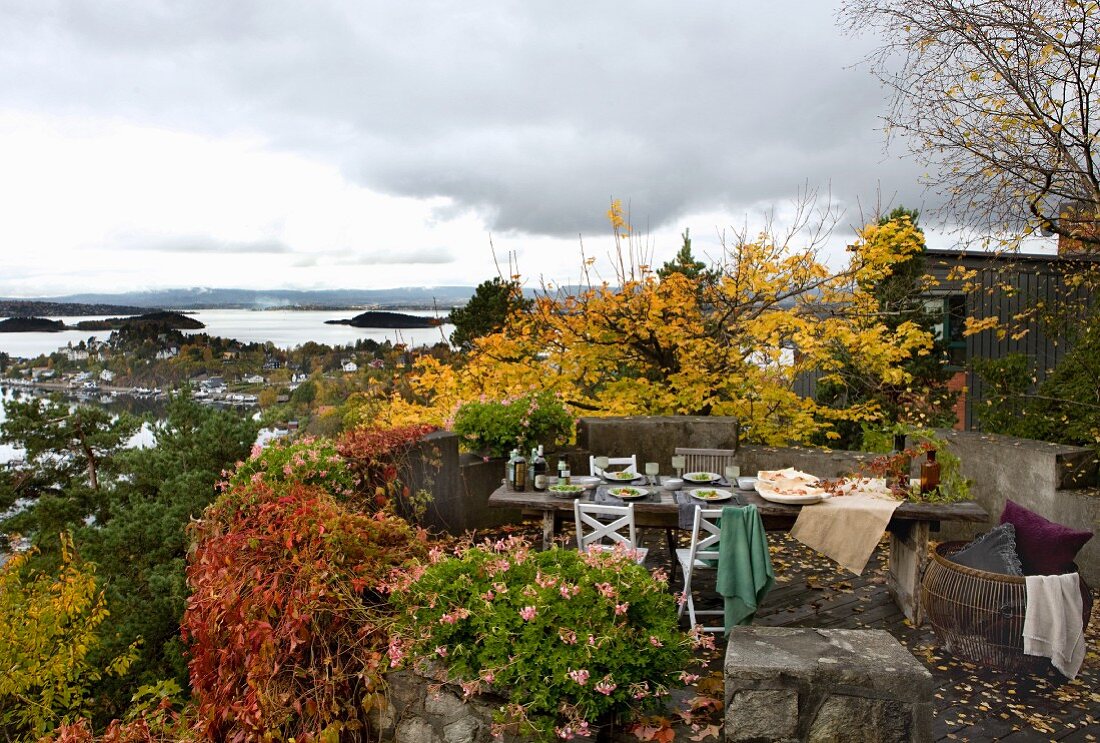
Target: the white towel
pixel 1052 621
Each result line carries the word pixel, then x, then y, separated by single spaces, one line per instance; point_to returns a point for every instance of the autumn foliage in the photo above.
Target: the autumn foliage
pixel 729 341
pixel 374 458
pixel 48 626
pixel 288 620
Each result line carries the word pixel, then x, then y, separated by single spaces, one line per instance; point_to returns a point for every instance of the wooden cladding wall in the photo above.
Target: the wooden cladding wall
pixel 1007 288
pixel 1010 288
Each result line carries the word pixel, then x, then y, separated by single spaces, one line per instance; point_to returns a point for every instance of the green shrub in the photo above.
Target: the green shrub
pixel 570 638
pixel 495 428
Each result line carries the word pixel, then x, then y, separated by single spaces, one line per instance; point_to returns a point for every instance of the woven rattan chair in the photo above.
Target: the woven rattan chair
pixel 979 615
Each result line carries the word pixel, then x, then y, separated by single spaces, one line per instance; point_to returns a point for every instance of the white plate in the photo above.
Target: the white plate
pixel 718 494
pixel 700 478
pixel 767 492
pixel 625 476
pixel 633 494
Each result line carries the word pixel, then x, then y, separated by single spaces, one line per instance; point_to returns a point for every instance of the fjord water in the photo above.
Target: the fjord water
pixel 284 328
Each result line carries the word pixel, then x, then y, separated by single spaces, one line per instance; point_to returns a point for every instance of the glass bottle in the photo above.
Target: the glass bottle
pixel 563 472
pixel 903 465
pixel 538 470
pixel 930 473
pixel 520 472
pixel 511 468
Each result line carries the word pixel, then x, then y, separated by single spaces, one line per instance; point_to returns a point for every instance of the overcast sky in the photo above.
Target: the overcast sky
pixel 370 144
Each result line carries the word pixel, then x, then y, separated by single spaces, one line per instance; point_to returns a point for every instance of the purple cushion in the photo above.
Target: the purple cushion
pixel 1045 548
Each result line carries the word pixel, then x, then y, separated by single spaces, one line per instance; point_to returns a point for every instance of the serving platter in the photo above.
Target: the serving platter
pixel 797 496
pixel 565 491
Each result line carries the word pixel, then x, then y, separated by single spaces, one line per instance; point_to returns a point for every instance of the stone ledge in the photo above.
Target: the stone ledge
pixel 795 684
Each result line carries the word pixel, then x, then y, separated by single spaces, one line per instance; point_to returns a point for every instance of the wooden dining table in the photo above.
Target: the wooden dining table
pixel 910 527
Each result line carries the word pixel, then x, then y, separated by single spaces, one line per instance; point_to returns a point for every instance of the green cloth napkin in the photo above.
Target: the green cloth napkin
pixel 744 566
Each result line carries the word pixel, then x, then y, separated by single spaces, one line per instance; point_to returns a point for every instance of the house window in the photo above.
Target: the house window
pixel 949 313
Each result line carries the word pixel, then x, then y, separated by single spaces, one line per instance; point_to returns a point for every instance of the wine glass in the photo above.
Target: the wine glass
pixel 732 473
pixel 652 469
pixel 601 465
pixel 679 461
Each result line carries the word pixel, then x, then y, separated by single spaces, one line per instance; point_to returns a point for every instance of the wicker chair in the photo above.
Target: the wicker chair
pixel 979 615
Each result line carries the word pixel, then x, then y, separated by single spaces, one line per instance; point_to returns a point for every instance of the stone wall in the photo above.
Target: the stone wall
pixel 418 711
pixel 1046 478
pixel 1043 477
pixel 790 684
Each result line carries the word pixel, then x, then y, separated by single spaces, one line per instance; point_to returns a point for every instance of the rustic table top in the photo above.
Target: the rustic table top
pixel 661 501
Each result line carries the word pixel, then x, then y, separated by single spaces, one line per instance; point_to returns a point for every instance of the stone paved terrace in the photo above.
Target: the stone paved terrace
pixel 972 703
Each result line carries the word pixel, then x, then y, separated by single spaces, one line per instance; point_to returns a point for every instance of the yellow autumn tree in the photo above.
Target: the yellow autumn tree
pixel 729 341
pixel 48 626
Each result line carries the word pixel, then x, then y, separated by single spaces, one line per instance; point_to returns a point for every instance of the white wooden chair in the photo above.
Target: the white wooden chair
pixel 701 555
pixel 707 460
pixel 591 531
pixel 631 463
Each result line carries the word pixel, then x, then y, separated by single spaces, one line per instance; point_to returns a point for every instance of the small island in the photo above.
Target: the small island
pixel 31 325
pixel 163 319
pixel 388 320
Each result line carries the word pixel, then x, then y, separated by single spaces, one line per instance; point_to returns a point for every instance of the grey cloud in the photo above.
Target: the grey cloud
pixel 201 244
pixel 396 256
pixel 532 114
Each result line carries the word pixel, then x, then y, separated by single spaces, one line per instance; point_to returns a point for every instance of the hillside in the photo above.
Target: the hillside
pixel 206 298
pixel 57 308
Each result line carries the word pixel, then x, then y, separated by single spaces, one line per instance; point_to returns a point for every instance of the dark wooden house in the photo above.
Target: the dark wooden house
pixel 1022 291
pixel 1035 299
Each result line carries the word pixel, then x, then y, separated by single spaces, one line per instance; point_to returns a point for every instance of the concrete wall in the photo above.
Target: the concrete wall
pixel 1040 476
pixel 653 438
pixel 459 484
pixel 820 462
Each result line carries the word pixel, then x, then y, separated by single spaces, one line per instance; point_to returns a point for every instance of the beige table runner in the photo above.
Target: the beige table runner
pixel 845 528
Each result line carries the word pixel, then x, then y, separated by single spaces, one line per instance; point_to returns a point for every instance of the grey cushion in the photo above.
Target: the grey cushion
pixel 993 552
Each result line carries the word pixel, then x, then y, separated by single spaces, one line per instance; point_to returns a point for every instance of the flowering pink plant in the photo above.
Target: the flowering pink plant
pixel 569 637
pixel 308 460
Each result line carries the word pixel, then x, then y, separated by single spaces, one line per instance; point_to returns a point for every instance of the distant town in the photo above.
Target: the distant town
pixel 307 385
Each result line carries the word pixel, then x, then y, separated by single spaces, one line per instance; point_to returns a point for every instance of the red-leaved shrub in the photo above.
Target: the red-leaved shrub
pixel 160 725
pixel 288 619
pixel 377 456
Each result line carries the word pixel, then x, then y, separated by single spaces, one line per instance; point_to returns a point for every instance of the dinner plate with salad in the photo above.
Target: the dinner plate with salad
pixel 628 493
pixel 624 476
pixel 699 478
pixel 710 494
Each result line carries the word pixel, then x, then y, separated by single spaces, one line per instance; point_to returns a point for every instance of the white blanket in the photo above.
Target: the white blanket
pixel 1052 621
